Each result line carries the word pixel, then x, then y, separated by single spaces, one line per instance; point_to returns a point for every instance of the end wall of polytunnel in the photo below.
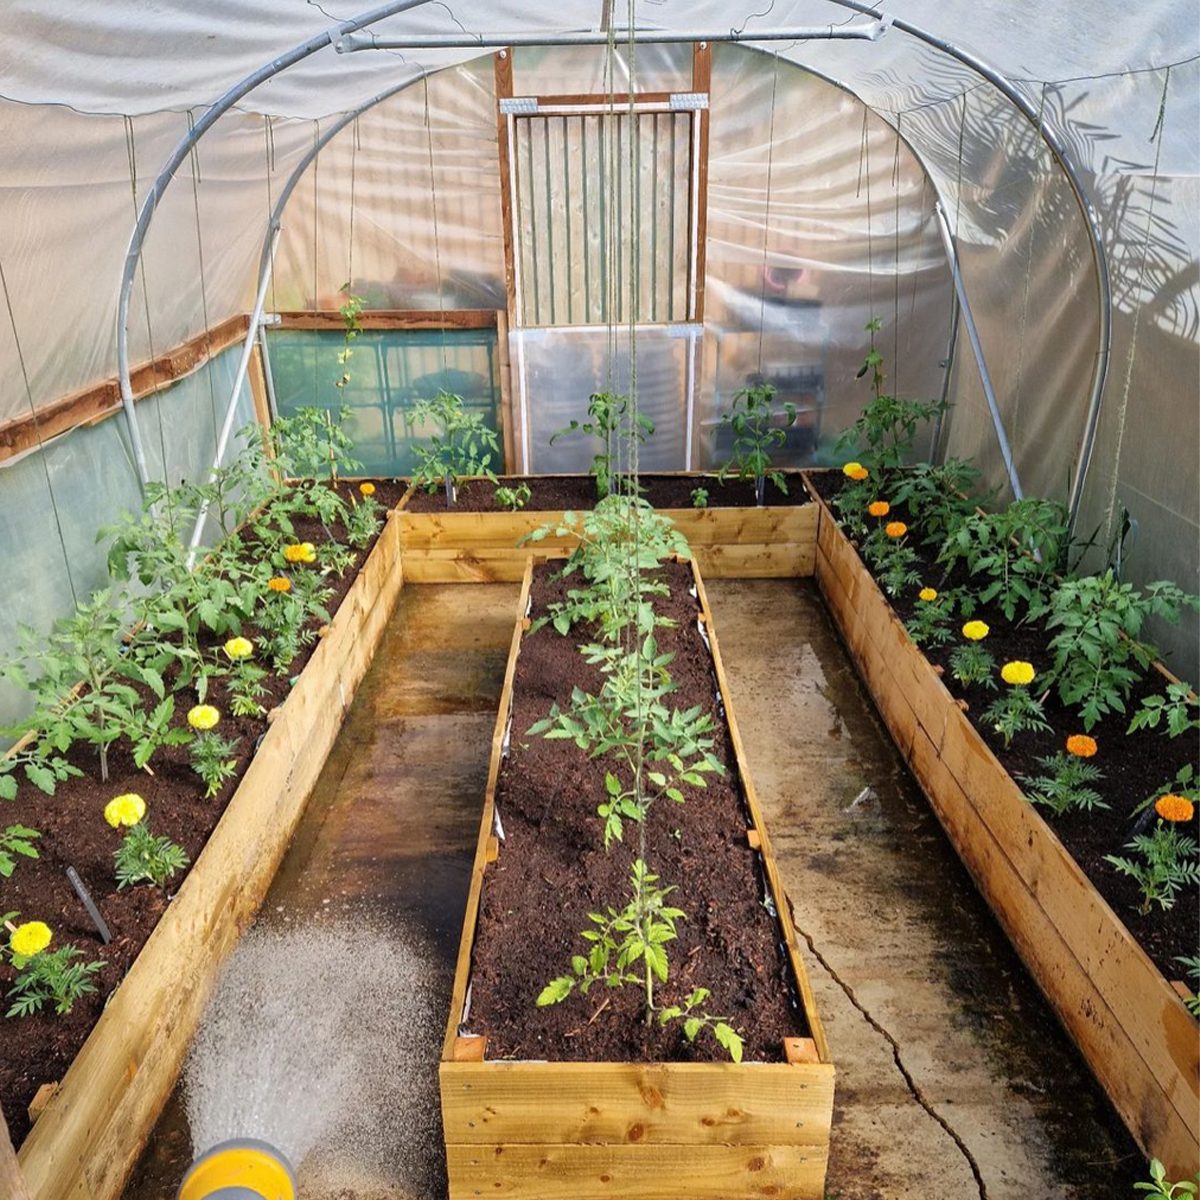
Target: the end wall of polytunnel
pixel 818 218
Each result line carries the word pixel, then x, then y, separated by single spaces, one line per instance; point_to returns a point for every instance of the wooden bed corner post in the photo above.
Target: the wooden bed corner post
pixel 513 435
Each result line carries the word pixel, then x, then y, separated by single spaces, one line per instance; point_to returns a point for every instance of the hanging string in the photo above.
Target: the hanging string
pixel 437 250
pixel 896 268
pixel 864 173
pixel 611 249
pixel 316 222
pixel 1020 379
pixel 37 432
pixel 212 390
pixel 131 151
pixel 1156 136
pixel 354 148
pixel 269 141
pixel 762 292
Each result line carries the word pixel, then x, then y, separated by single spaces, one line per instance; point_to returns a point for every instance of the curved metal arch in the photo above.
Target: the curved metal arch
pixel 167 173
pixel 1002 84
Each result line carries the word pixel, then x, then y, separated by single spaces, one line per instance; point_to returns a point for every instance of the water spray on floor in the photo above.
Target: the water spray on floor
pixel 314 1071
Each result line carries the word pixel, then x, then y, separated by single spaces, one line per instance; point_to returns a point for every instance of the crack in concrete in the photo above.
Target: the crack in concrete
pixel 914 1088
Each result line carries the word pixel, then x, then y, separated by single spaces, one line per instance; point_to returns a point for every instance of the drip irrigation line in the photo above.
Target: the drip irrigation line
pixel 914 1088
pixel 62 541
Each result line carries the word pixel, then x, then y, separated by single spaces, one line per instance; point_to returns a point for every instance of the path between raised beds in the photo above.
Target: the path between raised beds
pixel 949 1062
pixel 387 842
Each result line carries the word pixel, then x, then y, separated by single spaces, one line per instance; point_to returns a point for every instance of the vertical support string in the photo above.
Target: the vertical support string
pixel 1123 409
pixel 433 199
pixel 62 541
pixel 762 290
pixel 896 263
pixel 194 156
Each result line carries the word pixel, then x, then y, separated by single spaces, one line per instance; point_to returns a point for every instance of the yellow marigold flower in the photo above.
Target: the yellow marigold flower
pixel 1082 746
pixel 367 489
pixel 281 583
pixel 300 552
pixel 976 631
pixel 879 508
pixel 30 938
pixel 895 529
pixel 1017 673
pixel 1174 808
pixel 127 809
pixel 927 594
pixel 855 471
pixel 239 647
pixel 203 716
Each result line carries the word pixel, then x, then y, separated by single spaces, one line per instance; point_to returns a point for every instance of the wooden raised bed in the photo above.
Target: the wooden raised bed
pixel 1126 1018
pixel 774 542
pixel 90 1135
pixel 532 1130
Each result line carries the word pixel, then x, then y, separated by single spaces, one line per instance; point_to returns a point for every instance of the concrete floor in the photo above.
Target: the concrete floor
pixel 954 1081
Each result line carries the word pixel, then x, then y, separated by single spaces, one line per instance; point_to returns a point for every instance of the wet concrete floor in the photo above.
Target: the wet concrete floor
pixel 953 1078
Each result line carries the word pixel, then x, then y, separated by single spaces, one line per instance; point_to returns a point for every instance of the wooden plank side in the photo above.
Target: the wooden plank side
pixel 784 561
pixel 637 1103
pixel 714 1172
pixel 1155 1122
pixel 462 969
pixel 92 1132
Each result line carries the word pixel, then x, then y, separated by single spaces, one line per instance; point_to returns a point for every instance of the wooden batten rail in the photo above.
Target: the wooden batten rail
pixel 103 399
pixel 390 318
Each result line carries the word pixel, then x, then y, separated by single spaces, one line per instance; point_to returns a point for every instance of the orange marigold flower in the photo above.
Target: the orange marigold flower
pixel 855 471
pixel 895 529
pixel 1082 746
pixel 1174 808
pixel 281 583
pixel 879 508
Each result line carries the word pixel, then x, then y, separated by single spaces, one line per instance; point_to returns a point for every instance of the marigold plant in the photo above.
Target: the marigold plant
pixel 300 552
pixel 203 716
pixel 127 809
pixel 976 631
pixel 239 647
pixel 1177 809
pixel 895 529
pixel 927 594
pixel 367 489
pixel 1081 745
pixel 281 583
pixel 1017 673
pixel 855 471
pixel 879 508
pixel 30 938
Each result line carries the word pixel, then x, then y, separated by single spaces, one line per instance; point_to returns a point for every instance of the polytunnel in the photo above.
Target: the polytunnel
pixel 217 220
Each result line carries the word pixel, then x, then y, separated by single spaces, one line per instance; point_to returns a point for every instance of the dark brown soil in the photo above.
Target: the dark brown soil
pixel 553 870
pixel 1135 766
pixel 38 1049
pixel 558 493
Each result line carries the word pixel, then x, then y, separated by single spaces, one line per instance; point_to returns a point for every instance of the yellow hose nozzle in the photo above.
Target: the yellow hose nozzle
pixel 239 1170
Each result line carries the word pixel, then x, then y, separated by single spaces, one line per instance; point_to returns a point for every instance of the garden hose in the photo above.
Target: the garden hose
pixel 239 1170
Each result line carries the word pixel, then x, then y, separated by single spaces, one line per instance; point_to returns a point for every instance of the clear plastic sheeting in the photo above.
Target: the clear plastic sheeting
pixel 403 205
pixel 819 218
pixel 563 367
pixel 389 373
pixel 54 499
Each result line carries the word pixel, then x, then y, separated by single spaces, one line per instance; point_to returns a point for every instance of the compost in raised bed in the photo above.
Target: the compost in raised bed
pixel 553 871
